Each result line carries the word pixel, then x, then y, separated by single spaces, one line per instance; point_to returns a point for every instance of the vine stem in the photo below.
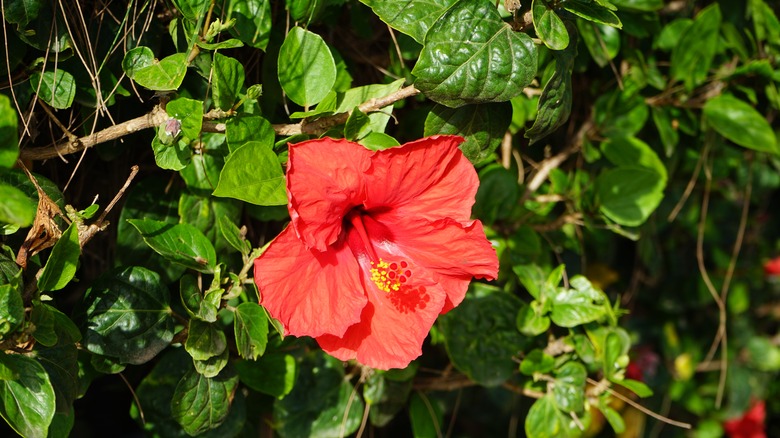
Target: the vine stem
pixel 158 116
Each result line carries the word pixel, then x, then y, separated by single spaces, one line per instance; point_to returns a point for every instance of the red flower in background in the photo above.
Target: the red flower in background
pixel 379 245
pixel 772 267
pixel 750 425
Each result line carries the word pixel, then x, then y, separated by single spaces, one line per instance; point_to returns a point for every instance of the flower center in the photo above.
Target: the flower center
pixel 392 278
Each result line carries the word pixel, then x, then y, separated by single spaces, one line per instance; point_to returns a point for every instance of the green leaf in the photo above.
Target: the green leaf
pixel 569 388
pixel 544 420
pixel 253 21
pixel 693 54
pixel 179 243
pixel 189 113
pixel 602 41
pixel 412 17
pixel 212 366
pixel 192 10
pixel 242 129
pixel 252 173
pixel 204 340
pixel 481 335
pixel 573 307
pixel 498 188
pixel 635 386
pixel 272 374
pixel 127 315
pixel 200 404
pixel 11 309
pixel 662 118
pixel 202 175
pixel 202 212
pixel 386 397
pixel 9 145
pixel 554 105
pixel 22 12
pixel 531 320
pixel 233 235
pixel 549 26
pixel 61 360
pixel 321 403
pixel 377 141
pixel 357 125
pixel 631 151
pixel 532 277
pixel 57 88
pixel 26 403
pixel 17 208
pixel 250 325
pixel 638 5
pixel 739 122
pixel 171 155
pixel 472 56
pixel 307 70
pixel 42 319
pixel 63 261
pixel 629 194
pixel 163 75
pixel 537 361
pixel 594 12
pixel 482 126
pixel 197 305
pixel 226 81
pixel 426 416
pixel 619 114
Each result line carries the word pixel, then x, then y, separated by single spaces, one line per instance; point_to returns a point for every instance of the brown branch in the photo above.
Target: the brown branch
pixel 158 116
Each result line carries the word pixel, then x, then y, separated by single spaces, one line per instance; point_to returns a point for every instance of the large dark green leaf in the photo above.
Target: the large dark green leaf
pixel 22 12
pixel 472 56
pixel 412 17
pixel 483 126
pixel 481 334
pixel 27 401
pixel 127 315
pixel 638 5
pixel 253 174
pixel 272 374
pixel 739 122
pixel 307 70
pixel 180 243
pixel 200 404
pixel 693 54
pixel 205 340
pixel 61 361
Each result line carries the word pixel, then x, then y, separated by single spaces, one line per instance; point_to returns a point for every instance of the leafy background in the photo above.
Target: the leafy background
pixel 628 158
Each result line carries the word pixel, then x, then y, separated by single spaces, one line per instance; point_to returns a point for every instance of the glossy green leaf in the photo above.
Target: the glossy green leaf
pixel 592 11
pixel 226 81
pixel 26 403
pixel 171 154
pixel 482 126
pixel 307 70
pixel 637 387
pixel 56 88
pixel 202 212
pixel 662 119
pixel 412 17
pixel 242 129
pixel 629 194
pixel 472 56
pixel 252 173
pixel 569 388
pixel 61 361
pixel 253 22
pixel 693 54
pixel 9 145
pixel 204 340
pixel 532 277
pixel 159 75
pixel 631 151
pixel 272 374
pixel 545 420
pixel 481 335
pixel 377 141
pixel 426 416
pixel 197 305
pixel 321 402
pixel 63 261
pixel 602 41
pixel 531 320
pixel 17 208
pixel 200 404
pixel 250 325
pixel 11 309
pixel 189 113
pixel 212 366
pixel 127 315
pixel 549 26
pixel 179 243
pixel 537 361
pixel 739 122
pixel 573 307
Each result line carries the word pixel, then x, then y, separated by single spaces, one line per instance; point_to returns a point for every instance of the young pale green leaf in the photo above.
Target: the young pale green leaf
pixel 613 417
pixel 481 335
pixel 63 261
pixel 253 21
pixel 531 320
pixel 189 113
pixel 635 386
pixel 9 145
pixel 252 173
pixel 163 75
pixel 322 402
pixel 179 243
pixel 250 325
pixel 554 105
pixel 549 26
pixel 545 420
pixel 629 194
pixel 200 404
pixel 27 403
pixel 739 122
pixel 242 129
pixel 171 155
pixel 472 56
pixel 17 208
pixel 537 361
pixel 11 309
pixel 592 11
pixel 572 307
pixel 377 141
pixel 204 340
pixel 232 234
pixel 227 80
pixel 412 17
pixel 693 54
pixel 426 416
pixel 272 374
pixel 482 126
pixel 56 88
pixel 307 70
pixel 127 315
pixel 569 388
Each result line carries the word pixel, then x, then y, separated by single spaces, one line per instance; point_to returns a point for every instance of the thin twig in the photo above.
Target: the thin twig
pixel 643 409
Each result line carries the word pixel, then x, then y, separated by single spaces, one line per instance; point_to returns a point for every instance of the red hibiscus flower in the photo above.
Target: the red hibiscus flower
pixel 772 267
pixel 750 425
pixel 379 245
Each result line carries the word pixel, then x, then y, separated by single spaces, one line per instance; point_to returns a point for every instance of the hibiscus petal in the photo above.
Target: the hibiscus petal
pixel 393 325
pixel 428 178
pixel 310 292
pixel 325 179
pixel 452 251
